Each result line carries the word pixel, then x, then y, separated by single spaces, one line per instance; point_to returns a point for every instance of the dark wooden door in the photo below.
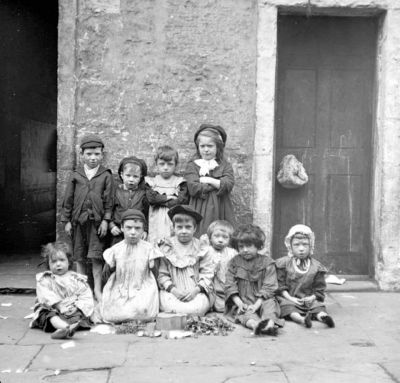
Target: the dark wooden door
pixel 324 117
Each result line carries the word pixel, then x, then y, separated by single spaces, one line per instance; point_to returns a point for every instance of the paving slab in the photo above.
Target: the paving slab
pixel 91 376
pixel 23 377
pixel 15 358
pixel 15 326
pixel 184 374
pixel 345 372
pixel 81 356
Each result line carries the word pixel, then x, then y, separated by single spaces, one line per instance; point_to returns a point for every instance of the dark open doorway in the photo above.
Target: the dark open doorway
pixel 28 118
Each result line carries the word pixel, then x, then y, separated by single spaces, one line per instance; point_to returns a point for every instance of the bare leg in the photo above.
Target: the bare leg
pixel 58 323
pixel 81 267
pixel 97 269
pixel 306 321
pixel 252 324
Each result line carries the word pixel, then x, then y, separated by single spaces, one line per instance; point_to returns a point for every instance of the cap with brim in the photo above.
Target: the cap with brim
pixel 185 209
pixel 132 214
pixel 133 160
pixel 91 141
pixel 218 128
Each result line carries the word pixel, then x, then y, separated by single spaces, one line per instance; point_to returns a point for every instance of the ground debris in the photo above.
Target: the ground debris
pixel 131 327
pixel 208 325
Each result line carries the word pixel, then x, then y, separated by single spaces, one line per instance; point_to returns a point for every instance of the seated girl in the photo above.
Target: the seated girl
pixel 218 237
pixel 251 284
pixel 302 280
pixel 185 274
pixel 64 299
pixel 131 292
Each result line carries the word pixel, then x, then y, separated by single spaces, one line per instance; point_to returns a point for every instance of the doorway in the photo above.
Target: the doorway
pixel 28 119
pixel 325 98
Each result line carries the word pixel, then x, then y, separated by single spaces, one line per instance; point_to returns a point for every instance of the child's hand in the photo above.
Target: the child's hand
pixel 190 295
pixel 115 231
pixel 205 180
pixel 178 293
pixel 297 301
pixel 68 228
pixel 308 301
pixel 102 231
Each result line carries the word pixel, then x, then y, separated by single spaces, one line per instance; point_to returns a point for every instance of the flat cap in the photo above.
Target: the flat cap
pixel 132 214
pixel 91 141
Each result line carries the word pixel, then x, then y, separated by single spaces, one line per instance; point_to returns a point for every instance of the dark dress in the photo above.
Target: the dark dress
pixel 128 199
pixel 300 285
pixel 211 203
pixel 250 280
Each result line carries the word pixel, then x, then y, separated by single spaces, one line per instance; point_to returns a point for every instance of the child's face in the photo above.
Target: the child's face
pixel 301 247
pixel 133 230
pixel 184 230
pixel 92 157
pixel 247 251
pixel 219 239
pixel 58 263
pixel 131 176
pixel 207 148
pixel 166 168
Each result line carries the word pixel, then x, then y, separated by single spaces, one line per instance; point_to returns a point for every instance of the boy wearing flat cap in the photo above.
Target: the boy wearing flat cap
pixel 87 208
pixel 185 273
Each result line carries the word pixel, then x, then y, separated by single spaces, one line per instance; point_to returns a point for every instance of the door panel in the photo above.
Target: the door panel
pixel 324 118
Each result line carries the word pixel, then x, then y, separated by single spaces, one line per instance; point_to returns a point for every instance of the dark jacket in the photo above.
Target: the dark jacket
pixel 99 191
pixel 125 199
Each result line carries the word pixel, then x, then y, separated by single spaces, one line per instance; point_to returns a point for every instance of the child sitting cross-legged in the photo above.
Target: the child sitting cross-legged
pixel 251 284
pixel 131 292
pixel 302 280
pixel 185 273
pixel 219 235
pixel 64 299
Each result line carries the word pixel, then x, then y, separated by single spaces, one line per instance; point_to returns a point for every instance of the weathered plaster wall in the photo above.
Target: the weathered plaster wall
pixel 145 73
pixel 386 203
pixel 149 73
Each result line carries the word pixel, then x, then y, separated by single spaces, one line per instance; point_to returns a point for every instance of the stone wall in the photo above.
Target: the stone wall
pixel 145 73
pixel 149 73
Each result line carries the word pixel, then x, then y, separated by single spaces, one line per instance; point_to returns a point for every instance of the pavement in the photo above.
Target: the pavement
pixel 364 347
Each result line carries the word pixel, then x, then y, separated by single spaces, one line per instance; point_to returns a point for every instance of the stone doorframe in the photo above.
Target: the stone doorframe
pixel 385 187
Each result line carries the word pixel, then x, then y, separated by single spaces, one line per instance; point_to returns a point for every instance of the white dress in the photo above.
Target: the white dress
pixel 185 267
pixel 160 225
pixel 220 260
pixel 131 292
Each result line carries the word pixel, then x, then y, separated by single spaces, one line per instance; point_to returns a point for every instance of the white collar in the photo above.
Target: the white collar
pixel 206 166
pixel 90 173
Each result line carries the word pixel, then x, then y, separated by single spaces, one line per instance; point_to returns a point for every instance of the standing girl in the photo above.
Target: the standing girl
pixel 302 280
pixel 130 194
pixel 210 178
pixel 166 190
pixel 64 299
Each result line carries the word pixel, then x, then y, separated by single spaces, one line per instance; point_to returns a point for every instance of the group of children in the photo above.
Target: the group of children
pixel 173 248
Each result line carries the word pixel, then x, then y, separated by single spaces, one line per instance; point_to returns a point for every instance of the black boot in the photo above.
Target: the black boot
pixel 328 321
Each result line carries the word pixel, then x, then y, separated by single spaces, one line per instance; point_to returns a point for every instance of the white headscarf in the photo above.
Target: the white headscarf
pixel 299 229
